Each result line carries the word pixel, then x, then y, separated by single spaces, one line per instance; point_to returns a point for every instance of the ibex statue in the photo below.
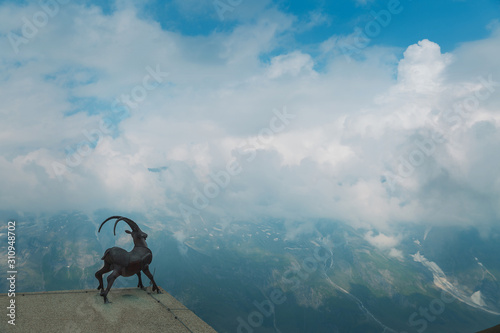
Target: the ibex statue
pixel 126 263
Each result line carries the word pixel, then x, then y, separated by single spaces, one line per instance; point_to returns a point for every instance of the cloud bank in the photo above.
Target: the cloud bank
pixel 114 111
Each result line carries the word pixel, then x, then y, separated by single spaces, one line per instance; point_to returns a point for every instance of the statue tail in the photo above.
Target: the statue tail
pixel 105 254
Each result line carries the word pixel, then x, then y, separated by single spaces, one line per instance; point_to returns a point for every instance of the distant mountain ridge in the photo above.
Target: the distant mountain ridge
pixel 332 277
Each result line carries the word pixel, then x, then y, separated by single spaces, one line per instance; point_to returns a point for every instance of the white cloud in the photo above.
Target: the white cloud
pixel 395 253
pixel 382 241
pixel 338 158
pixel 291 64
pixel 315 19
pixel 421 68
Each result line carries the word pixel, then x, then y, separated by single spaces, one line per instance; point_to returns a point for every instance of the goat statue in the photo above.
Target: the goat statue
pixel 126 263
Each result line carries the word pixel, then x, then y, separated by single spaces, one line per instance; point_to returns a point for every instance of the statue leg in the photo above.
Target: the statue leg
pixel 150 276
pixel 111 278
pixel 140 280
pixel 106 268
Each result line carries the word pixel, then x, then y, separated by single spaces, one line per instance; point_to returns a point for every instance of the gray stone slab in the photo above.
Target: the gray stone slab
pixel 81 311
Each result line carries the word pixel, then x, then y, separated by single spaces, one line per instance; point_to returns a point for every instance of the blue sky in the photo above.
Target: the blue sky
pixel 276 109
pixel 447 22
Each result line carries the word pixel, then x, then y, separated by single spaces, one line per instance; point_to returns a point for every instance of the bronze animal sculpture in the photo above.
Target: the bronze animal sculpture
pixel 126 263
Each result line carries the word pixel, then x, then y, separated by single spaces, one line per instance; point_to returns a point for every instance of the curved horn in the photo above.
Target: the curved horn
pixel 109 218
pixel 131 224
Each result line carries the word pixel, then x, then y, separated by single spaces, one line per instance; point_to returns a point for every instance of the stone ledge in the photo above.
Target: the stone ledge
pixel 79 311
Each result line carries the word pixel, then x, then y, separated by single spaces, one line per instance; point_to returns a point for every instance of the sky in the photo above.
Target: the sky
pixel 373 113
